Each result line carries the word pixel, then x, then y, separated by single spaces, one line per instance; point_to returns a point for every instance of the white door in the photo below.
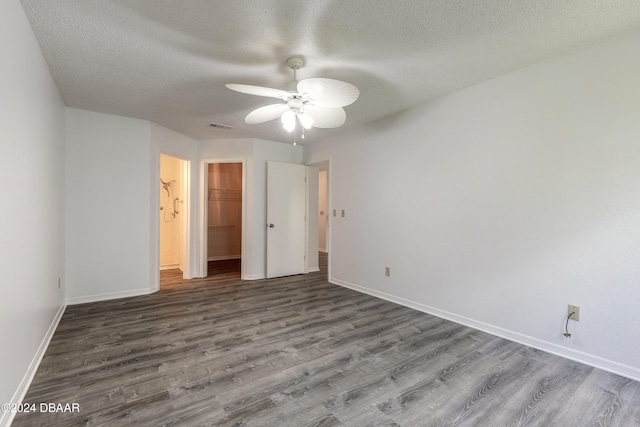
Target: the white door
pixel 286 224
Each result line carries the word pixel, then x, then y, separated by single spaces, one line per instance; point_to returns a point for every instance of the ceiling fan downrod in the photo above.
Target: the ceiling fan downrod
pixel 295 63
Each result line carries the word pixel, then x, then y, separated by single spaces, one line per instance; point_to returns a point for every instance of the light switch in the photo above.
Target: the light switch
pixel 334 212
pixel 342 213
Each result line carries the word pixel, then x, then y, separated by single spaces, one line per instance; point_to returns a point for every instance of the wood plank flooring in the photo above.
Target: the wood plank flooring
pixel 219 272
pixel 298 351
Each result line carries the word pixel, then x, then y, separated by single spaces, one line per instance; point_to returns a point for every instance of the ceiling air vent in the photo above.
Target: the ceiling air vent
pixel 220 126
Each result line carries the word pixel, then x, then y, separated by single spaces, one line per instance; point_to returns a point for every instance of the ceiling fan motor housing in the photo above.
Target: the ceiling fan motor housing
pixel 295 104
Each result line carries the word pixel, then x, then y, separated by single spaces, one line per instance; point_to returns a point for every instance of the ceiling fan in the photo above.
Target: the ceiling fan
pixel 314 102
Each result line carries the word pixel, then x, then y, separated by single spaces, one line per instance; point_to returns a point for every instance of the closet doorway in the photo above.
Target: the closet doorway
pixel 224 219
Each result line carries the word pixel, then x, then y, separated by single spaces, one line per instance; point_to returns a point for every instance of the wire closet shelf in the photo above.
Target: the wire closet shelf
pixel 224 195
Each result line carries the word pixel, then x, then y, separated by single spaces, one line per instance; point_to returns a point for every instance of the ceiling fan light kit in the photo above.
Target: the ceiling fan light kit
pixel 288 120
pixel 314 102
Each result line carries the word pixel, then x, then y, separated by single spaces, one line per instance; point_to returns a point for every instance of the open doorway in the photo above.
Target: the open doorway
pixel 323 217
pixel 322 211
pixel 224 219
pixel 173 217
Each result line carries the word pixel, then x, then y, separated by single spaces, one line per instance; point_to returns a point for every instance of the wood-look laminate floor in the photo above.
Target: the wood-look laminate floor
pixel 219 272
pixel 298 351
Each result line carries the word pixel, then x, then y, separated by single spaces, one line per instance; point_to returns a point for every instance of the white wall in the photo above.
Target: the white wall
pixel 499 205
pixel 32 216
pixel 112 217
pixel 108 202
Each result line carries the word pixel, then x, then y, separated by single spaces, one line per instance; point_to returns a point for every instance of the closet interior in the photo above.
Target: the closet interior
pixel 224 213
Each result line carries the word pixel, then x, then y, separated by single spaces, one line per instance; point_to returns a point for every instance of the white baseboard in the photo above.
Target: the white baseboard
pixel 169 266
pixel 223 257
pixel 567 353
pixel 314 269
pixel 108 296
pixel 6 418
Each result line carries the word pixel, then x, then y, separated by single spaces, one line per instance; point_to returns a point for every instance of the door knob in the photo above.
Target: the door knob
pixel 271 225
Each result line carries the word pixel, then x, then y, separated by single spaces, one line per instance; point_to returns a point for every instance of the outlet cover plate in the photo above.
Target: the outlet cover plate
pixel 575 309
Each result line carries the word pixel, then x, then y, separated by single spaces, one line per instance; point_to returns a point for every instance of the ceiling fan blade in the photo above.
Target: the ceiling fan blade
pixel 328 92
pixel 266 113
pixel 259 90
pixel 326 117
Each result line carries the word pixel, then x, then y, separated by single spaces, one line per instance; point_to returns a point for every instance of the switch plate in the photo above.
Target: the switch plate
pixel 576 312
pixel 387 271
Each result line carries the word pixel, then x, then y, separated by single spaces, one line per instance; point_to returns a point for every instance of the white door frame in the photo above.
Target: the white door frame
pixel 185 212
pixel 311 219
pixel 316 164
pixel 203 212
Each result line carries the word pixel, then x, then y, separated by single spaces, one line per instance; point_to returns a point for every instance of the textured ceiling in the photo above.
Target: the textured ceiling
pixel 167 61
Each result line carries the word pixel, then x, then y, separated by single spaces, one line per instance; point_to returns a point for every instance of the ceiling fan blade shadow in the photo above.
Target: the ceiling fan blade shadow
pixel 266 113
pixel 258 90
pixel 328 92
pixel 326 117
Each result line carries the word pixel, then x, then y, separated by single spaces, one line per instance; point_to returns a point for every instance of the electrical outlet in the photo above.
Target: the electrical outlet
pixel 576 312
pixel 387 271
